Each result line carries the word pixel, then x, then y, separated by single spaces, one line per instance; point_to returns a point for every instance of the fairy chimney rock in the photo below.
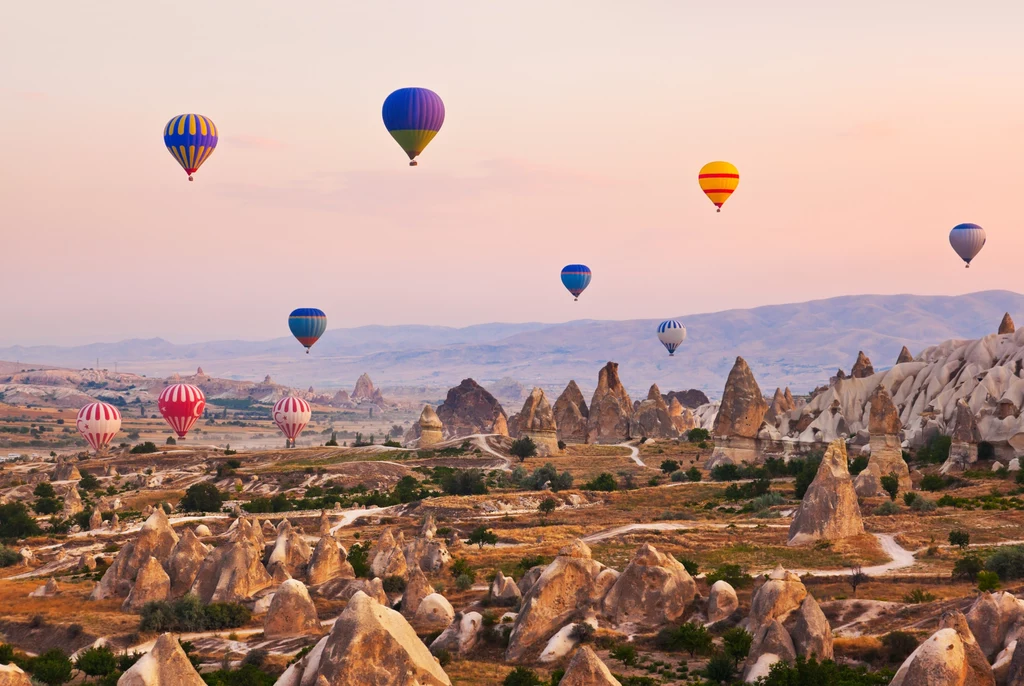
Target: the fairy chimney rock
pixel 571 413
pixel 1006 325
pixel 610 408
pixel 537 421
pixel 431 428
pixel 905 356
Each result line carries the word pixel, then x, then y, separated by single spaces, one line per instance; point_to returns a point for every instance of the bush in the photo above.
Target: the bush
pixel 189 614
pixel 521 676
pixel 44 490
pixel 697 435
pixel 909 498
pixel 602 482
pixel 246 675
pixel 988 581
pixel 358 556
pixel 88 482
pixel 887 508
pixel 678 476
pixel 394 584
pixel 544 475
pixel 52 667
pixel 8 556
pixel 144 448
pixel 959 538
pixel 171 441
pixel 917 596
pixel 968 567
pixel 460 567
pixel 922 504
pixel 523 448
pixel 669 466
pixel 464 482
pixel 731 574
pixel 689 565
pixel 96 661
pixel 726 472
pixel 464 582
pixel 16 522
pixel 720 668
pixel 813 673
pixel 1007 562
pixel 932 482
pixel 736 642
pixel 45 506
pixel 546 507
pixel 858 465
pixel 582 632
pixel 561 445
pixel 936 451
pixel 808 470
pixel 891 484
pixel 624 653
pixel 899 645
pixel 694 475
pixel 693 638
pixel 202 497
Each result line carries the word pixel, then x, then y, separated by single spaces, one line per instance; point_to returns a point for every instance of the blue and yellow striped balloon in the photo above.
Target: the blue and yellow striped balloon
pixel 307 324
pixel 191 139
pixel 413 116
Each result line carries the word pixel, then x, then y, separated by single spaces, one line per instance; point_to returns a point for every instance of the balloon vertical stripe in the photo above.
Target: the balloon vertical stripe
pixel 181 406
pixel 98 423
pixel 190 138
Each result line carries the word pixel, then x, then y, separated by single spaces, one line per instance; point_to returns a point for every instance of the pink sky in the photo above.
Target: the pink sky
pixel 574 133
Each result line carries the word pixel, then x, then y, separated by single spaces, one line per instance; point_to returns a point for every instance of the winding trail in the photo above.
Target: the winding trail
pixel 634 453
pixel 481 441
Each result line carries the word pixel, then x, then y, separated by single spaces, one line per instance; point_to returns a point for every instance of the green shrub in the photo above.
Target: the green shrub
pixel 736 643
pixel 16 522
pixel 358 557
pixel 52 667
pixel 523 448
pixel 460 567
pixel 202 497
pixel 720 668
pixel 887 508
pixel 522 676
pixel 464 482
pixel 731 574
pixel 725 472
pixel 968 567
pixel 689 565
pixel 541 476
pixel 189 614
pixel 693 638
pixel 899 645
pixel 8 556
pixel 678 476
pixel 602 482
pixel 858 465
pixel 582 632
pixel 987 581
pixel 959 538
pixel 813 673
pixel 624 653
pixel 917 596
pixel 394 584
pixel 96 661
pixel 936 450
pixel 669 466
pixel 922 504
pixel 909 498
pixel 245 675
pixel 808 470
pixel 482 536
pixel 891 484
pixel 144 448
pixel 1007 562
pixel 933 482
pixel 698 435
pixel 693 474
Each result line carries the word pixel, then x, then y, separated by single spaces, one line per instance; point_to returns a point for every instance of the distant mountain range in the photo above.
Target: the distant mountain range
pixel 800 345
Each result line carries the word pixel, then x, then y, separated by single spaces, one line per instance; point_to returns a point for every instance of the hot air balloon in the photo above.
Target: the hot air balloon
pixel 291 415
pixel 181 404
pixel 413 116
pixel 671 334
pixel 191 139
pixel 308 325
pixel 967 240
pixel 718 180
pixel 99 423
pixel 576 277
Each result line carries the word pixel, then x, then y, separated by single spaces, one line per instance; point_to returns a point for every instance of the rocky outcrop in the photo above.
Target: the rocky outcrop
pixel 722 601
pixel 156 539
pixel 782 404
pixel 184 562
pixel 328 562
pixel 996 620
pixel 95 520
pixel 862 367
pixel 571 414
pixel 234 571
pixel 72 503
pixel 429 527
pixel 431 427
pixel 461 636
pixel 291 552
pixel 165 665
pixel 1006 325
pixel 829 509
pixel 691 398
pixel 434 613
pixel 65 471
pixel 387 557
pixel 610 408
pixel 653 590
pixel 683 418
pixel 652 418
pixel 470 409
pixel 739 419
pixel 48 590
pixel 291 612
pixel 504 591
pixel 416 589
pixel 570 586
pixel 586 669
pixel 344 589
pixel 369 644
pixel 365 392
pixel 904 356
pixel 151 584
pixel 428 554
pixel 963 449
pixel 537 422
pixel 12 675
pixel 950 657
pixel 886 458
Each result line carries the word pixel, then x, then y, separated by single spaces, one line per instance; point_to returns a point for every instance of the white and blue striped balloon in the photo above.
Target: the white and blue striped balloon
pixel 671 334
pixel 967 240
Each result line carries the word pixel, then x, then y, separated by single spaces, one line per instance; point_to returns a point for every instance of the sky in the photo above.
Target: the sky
pixel 574 132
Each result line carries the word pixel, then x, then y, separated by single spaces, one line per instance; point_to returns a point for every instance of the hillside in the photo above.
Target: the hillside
pixel 798 344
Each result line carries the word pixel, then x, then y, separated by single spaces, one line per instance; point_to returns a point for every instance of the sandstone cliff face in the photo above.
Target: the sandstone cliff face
pixel 610 409
pixel 65 471
pixel 782 404
pixel 12 675
pixel 652 418
pixel 829 508
pixel 690 398
pixel 743 407
pixel 365 392
pixel 571 414
pixel 291 553
pixel 653 590
pixel 996 620
pixel 184 562
pixel 387 557
pixel 165 665
pixel 469 409
pixel 963 450
pixel 328 562
pixel 536 421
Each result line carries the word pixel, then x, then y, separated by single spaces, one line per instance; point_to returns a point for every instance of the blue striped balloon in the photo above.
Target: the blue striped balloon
pixel 576 278
pixel 191 139
pixel 671 334
pixel 308 325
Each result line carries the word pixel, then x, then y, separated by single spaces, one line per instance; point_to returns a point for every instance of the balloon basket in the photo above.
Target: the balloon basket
pixel 414 163
pixel 190 178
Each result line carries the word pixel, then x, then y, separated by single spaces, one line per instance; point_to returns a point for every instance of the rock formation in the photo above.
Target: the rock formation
pixel 886 452
pixel 567 588
pixel 291 612
pixel 344 589
pixel 610 408
pixel 785 622
pixel 904 356
pixel 683 419
pixel 12 675
pixel 431 428
pixel 950 657
pixel 963 450
pixel 156 539
pixel 328 562
pixel 996 620
pixel 782 403
pixel 152 583
pixel 184 562
pixel 387 557
pixel 829 509
pixel 72 502
pixel 1006 325
pixel 234 571
pixel 571 414
pixel 537 422
pixel 504 590
pixel 364 390
pixel 65 471
pixel 48 590
pixel 428 554
pixel 416 589
pixel 722 601
pixel 739 418
pixel 291 552
pixel 461 636
pixel 862 367
pixel 429 527
pixel 691 398
pixel 165 665
pixel 653 590
pixel 586 669
pixel 369 644
pixel 434 613
pixel 652 418
pixel 469 409
pixel 95 520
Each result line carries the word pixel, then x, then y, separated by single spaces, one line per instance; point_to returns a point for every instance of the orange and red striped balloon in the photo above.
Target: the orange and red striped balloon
pixel 718 180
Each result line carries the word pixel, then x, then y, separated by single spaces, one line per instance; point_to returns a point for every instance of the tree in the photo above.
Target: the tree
pixel 482 536
pixel 47 506
pixel 960 538
pixel 693 474
pixel 88 482
pixel 720 668
pixel 44 490
pixel 522 676
pixel 697 435
pixel 693 638
pixel 52 667
pixel 856 578
pixel 669 466
pixel 202 497
pixel 96 661
pixel 602 482
pixel 624 653
pixel 171 441
pixel 546 507
pixel 988 581
pixel 460 567
pixel 891 484
pixel 358 557
pixel 523 448
pixel 334 440
pixel 736 643
pixel 968 567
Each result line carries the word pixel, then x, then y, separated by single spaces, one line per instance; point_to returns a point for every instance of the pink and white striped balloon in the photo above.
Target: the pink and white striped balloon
pixel 99 423
pixel 181 405
pixel 291 415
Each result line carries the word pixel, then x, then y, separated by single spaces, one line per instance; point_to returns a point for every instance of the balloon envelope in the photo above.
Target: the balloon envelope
pixel 413 116
pixel 576 278
pixel 671 334
pixel 718 180
pixel 307 324
pixel 181 405
pixel 191 139
pixel 967 240
pixel 291 415
pixel 99 423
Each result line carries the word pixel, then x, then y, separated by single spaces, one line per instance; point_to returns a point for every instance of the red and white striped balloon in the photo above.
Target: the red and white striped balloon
pixel 181 404
pixel 291 415
pixel 99 423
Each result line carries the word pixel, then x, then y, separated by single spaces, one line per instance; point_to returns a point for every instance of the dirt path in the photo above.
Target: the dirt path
pixel 481 442
pixel 634 453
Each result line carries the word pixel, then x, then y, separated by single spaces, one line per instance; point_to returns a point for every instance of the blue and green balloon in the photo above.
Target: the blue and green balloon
pixel 307 325
pixel 413 116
